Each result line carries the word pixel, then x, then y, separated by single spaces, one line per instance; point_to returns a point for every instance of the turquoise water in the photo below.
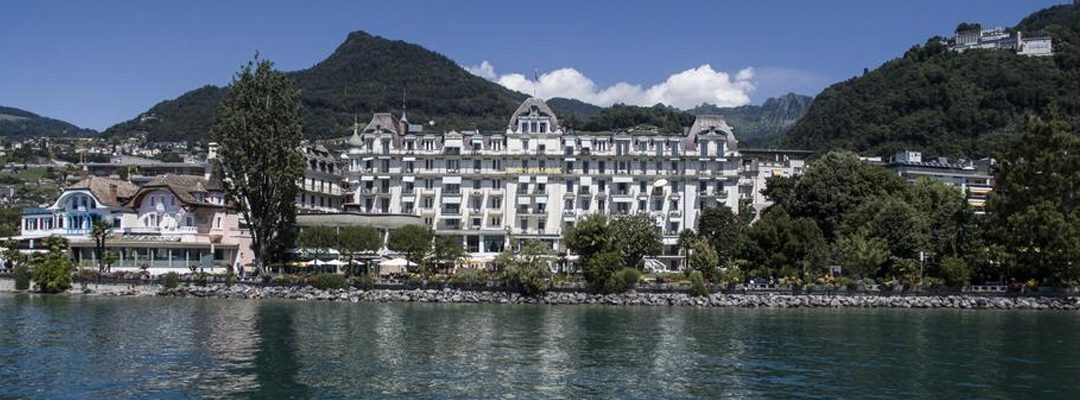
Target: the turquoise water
pixel 86 347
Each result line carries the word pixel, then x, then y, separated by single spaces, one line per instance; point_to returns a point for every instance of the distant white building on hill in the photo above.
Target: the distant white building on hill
pixel 1002 39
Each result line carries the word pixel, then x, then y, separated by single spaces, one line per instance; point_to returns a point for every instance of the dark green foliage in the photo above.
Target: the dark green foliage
pixel 327 281
pixel 10 220
pixel 529 271
pixel 636 237
pixel 703 259
pixel 468 277
pixel 414 241
pixel 946 103
pixel 52 269
pixel 782 245
pixel 16 124
pixel 724 231
pixel 257 129
pixel 620 116
pixel 354 240
pixel 629 277
pixel 170 280
pixel 834 185
pixel 365 74
pixel 22 277
pixel 601 269
pixel 1034 207
pixel 318 239
pixel 590 236
pixel 365 281
pixel 956 272
pixel 697 285
pixel 860 256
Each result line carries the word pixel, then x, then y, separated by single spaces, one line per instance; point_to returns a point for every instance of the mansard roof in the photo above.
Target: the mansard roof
pixel 382 123
pixel 706 124
pixel 100 187
pixel 534 105
pixel 183 187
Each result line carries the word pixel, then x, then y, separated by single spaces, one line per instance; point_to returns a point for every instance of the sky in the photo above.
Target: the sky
pixel 97 63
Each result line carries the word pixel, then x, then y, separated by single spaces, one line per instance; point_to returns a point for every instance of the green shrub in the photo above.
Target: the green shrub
pixel 629 277
pixel 697 285
pixel 602 271
pixel 530 279
pixel 22 277
pixel 201 278
pixel 328 281
pixel 52 274
pixel 365 281
pixel 956 272
pixel 468 277
pixel 170 280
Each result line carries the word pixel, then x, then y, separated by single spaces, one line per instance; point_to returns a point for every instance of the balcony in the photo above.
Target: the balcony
pixel 584 191
pixel 675 213
pixel 569 213
pixel 706 193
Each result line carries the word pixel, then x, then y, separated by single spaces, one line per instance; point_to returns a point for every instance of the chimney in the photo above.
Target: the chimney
pixel 112 194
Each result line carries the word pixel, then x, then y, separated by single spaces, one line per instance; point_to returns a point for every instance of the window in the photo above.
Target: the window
pixel 217 222
pixel 495 203
pixel 541 224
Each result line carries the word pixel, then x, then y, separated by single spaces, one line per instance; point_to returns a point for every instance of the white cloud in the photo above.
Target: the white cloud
pixel 685 89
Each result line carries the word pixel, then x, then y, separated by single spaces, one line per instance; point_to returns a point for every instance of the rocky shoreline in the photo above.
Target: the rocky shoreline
pixel 751 300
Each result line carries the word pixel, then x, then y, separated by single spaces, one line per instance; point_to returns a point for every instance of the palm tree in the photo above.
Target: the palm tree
pixel 100 232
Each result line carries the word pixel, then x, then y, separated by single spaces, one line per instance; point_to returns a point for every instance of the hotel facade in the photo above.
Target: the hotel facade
pixel 536 179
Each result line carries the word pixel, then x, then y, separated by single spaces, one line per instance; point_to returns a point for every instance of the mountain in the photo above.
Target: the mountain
pixel 368 74
pixel 757 125
pixel 947 103
pixel 571 108
pixel 21 124
pixel 365 74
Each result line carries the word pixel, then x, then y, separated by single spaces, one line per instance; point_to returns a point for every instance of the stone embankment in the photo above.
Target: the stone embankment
pixel 628 299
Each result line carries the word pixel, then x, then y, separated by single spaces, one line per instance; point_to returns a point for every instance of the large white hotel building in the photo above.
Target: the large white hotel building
pixel 534 179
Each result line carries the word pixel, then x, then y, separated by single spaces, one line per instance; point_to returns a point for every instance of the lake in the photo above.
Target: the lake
pixel 98 347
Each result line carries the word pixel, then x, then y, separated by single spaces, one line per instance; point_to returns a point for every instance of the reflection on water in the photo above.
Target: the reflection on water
pixel 80 347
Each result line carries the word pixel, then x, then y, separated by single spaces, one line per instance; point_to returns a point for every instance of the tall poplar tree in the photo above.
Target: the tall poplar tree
pixel 257 129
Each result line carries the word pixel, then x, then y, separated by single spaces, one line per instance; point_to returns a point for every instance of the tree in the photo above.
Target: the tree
pixel 724 230
pixel 257 129
pixel 955 271
pixel 780 244
pixel 448 251
pixel 529 271
pixel 951 228
pixel 589 237
pixel 318 240
pixel 352 240
pixel 703 259
pixel 601 271
pixel 836 184
pixel 100 233
pixel 901 226
pixel 687 237
pixel 52 269
pixel 1035 205
pixel 859 255
pixel 414 241
pixel 636 236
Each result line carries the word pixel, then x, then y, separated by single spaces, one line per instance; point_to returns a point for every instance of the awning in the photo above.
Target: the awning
pixel 367 158
pixel 622 199
pixel 623 179
pixel 408 179
pixel 568 142
pixel 660 183
pixel 408 159
pixel 585 181
pixel 541 179
pixel 367 178
pixel 523 179
pixel 569 159
pixel 478 140
pixel 451 200
pixel 586 142
pixel 523 200
pixel 541 200
pixel 386 177
pixel 452 180
pixel 452 143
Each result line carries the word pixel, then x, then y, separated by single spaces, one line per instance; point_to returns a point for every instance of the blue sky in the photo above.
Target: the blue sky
pixel 101 62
